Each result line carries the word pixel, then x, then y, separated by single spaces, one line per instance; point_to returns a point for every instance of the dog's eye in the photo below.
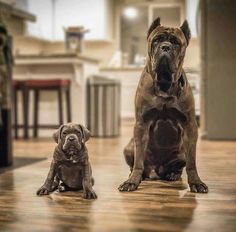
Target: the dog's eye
pixel 64 133
pixel 78 132
pixel 174 41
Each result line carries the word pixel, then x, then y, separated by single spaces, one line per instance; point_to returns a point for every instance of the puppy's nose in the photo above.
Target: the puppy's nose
pixel 165 47
pixel 71 138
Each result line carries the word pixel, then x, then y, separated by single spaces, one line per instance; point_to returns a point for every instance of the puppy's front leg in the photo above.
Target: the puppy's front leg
pixel 140 139
pixel 89 193
pixel 47 186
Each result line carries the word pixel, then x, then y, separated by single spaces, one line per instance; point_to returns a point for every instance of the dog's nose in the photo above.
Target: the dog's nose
pixel 165 47
pixel 71 138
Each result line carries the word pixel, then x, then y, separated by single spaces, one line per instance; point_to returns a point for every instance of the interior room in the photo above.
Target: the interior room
pixel 85 66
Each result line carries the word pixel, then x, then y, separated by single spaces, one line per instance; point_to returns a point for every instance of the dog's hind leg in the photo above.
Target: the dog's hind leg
pixel 172 171
pixel 129 154
pixel 55 184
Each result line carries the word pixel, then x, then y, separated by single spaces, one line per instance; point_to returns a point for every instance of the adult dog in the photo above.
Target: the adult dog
pixel 70 168
pixel 165 131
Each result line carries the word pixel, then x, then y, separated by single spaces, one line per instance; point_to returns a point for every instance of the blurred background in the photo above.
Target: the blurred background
pixel 81 61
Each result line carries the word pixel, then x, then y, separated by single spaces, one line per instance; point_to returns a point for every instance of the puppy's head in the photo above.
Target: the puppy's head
pixel 71 139
pixel 166 51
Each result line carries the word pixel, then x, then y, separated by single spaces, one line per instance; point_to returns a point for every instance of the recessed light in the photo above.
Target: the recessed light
pixel 130 12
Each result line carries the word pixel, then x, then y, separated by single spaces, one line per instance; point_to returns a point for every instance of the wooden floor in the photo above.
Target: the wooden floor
pixel 156 206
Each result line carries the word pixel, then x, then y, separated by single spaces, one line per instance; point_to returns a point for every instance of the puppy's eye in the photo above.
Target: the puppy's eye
pixel 64 133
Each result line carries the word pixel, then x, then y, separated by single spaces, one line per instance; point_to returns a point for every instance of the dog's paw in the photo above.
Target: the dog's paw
pixel 62 188
pixel 198 187
pixel 128 186
pixel 43 191
pixel 172 176
pixel 89 194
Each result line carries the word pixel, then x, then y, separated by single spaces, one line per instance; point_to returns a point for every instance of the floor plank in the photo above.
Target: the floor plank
pixel 156 206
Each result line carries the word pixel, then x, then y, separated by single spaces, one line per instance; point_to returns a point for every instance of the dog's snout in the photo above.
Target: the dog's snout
pixel 71 138
pixel 165 47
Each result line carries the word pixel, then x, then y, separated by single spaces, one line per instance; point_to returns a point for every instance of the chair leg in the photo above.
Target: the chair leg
pixel 26 111
pixel 68 103
pixel 36 112
pixel 15 113
pixel 60 106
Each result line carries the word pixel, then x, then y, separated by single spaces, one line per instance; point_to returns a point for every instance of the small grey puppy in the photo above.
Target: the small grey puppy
pixel 70 168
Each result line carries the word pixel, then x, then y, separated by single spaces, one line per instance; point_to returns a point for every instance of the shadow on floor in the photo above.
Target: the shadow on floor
pixel 19 162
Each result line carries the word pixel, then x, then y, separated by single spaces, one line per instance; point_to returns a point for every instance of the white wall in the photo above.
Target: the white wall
pixel 191 9
pixel 43 11
pixel 54 15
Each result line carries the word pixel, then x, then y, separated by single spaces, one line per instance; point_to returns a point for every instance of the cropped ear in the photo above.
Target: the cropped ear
pixel 57 134
pixel 85 133
pixel 156 23
pixel 186 30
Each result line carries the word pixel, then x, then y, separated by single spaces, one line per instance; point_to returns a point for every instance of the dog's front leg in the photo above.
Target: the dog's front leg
pixel 140 139
pixel 194 181
pixel 89 193
pixel 48 184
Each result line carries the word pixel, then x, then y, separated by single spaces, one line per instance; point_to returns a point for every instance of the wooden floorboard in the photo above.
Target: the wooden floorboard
pixel 156 206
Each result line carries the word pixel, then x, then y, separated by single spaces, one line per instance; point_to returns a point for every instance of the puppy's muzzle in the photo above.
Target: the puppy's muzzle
pixel 72 146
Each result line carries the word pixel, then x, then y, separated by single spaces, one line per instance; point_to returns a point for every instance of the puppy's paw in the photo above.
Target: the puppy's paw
pixel 43 191
pixel 198 187
pixel 89 194
pixel 128 186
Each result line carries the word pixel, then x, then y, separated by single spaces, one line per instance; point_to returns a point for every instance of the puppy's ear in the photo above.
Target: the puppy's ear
pixel 85 133
pixel 57 134
pixel 186 30
pixel 156 23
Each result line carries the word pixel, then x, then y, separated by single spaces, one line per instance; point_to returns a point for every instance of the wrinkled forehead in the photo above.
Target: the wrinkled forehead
pixel 70 128
pixel 176 32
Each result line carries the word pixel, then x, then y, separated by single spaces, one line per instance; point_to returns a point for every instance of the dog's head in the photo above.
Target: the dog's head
pixel 71 139
pixel 166 51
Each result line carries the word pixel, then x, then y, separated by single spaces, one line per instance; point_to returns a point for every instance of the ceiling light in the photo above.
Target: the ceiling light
pixel 130 12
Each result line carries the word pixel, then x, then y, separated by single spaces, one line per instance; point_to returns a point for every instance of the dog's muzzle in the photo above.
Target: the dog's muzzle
pixel 72 147
pixel 164 72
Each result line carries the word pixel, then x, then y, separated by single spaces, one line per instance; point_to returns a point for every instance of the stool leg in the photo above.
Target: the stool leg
pixel 36 112
pixel 68 103
pixel 26 111
pixel 60 106
pixel 15 113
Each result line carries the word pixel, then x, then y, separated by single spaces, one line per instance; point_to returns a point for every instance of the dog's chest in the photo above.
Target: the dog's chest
pixel 166 126
pixel 71 175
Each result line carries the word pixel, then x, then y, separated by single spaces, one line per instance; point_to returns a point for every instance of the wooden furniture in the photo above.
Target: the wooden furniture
pixel 18 86
pixel 58 85
pixel 73 67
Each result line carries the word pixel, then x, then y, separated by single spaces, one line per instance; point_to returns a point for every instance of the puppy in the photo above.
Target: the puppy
pixel 70 168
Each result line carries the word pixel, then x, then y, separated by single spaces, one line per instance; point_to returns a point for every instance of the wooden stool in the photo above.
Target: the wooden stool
pixel 40 85
pixel 18 86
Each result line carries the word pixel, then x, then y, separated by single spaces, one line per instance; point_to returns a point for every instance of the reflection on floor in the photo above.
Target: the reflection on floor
pixel 156 206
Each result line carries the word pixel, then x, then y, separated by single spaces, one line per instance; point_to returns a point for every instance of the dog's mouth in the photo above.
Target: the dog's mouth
pixel 72 151
pixel 72 156
pixel 164 73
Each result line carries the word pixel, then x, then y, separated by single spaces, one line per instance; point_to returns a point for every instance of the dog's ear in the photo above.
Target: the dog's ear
pixel 156 23
pixel 186 30
pixel 57 134
pixel 85 133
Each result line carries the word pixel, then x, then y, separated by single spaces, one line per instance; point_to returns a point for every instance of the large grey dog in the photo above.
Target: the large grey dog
pixel 165 131
pixel 70 168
